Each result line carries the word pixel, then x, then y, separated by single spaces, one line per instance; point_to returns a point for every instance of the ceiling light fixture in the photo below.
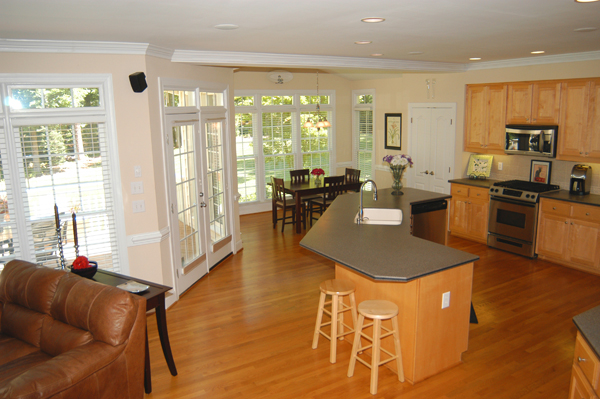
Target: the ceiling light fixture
pixel 474 58
pixel 538 52
pixel 415 53
pixel 226 26
pixel 376 55
pixel 363 42
pixel 373 20
pixel 323 122
pixel 588 29
pixel 585 1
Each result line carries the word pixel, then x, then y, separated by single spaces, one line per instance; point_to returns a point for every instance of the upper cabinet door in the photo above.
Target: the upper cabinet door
pixel 475 118
pixel 520 97
pixel 496 118
pixel 594 120
pixel 545 108
pixel 574 120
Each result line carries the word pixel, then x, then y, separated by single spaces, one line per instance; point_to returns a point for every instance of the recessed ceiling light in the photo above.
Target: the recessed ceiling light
pixel 376 55
pixel 415 53
pixel 474 58
pixel 373 20
pixel 538 52
pixel 585 1
pixel 589 29
pixel 226 26
pixel 363 42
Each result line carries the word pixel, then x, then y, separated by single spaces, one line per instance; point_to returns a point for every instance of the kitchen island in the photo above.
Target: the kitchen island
pixel 387 262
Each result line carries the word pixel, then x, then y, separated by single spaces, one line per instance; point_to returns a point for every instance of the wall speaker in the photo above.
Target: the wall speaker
pixel 138 82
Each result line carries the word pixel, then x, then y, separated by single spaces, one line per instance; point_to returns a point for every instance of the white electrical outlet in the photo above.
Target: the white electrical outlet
pixel 499 165
pixel 137 187
pixel 137 171
pixel 139 206
pixel 445 300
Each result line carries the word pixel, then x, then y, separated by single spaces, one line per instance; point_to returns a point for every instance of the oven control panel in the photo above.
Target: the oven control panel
pixel 515 194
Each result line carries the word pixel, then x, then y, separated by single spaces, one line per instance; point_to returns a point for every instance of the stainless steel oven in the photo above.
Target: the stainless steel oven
pixel 512 225
pixel 513 213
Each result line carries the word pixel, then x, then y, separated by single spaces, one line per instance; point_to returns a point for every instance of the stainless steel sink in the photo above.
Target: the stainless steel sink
pixel 383 216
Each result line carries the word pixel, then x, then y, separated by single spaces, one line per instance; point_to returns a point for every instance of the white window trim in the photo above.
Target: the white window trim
pixel 362 107
pixel 105 82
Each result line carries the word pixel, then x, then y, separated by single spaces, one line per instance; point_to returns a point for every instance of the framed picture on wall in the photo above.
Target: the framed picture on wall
pixel 393 131
pixel 540 171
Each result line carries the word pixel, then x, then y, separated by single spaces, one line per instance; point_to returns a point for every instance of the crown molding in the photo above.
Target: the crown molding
pixel 539 60
pixel 82 47
pixel 233 58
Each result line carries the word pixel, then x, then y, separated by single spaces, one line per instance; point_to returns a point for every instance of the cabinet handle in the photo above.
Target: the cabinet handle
pixel 566 222
pixel 586 153
pixel 581 359
pixel 580 152
pixel 554 208
pixel 571 223
pixel 587 214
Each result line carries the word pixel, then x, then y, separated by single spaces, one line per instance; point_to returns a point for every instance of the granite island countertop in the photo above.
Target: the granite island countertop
pixel 388 253
pixel 483 183
pixel 588 324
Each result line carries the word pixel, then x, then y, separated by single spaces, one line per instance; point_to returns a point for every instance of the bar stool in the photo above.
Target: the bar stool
pixel 377 310
pixel 338 289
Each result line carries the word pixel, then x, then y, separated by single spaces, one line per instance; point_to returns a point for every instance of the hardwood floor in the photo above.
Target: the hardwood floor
pixel 245 329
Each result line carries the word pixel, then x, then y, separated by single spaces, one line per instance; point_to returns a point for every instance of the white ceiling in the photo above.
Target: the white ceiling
pixel 271 32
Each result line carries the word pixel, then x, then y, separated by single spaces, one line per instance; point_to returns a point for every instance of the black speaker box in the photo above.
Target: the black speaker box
pixel 138 82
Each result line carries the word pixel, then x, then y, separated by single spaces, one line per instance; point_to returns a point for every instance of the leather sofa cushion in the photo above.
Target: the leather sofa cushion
pixel 20 365
pixel 13 348
pixel 22 323
pixel 102 310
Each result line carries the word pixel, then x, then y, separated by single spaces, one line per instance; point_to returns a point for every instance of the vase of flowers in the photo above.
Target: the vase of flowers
pixel 398 164
pixel 317 173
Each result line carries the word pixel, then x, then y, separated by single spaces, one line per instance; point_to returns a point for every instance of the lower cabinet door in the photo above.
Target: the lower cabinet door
pixel 585 243
pixel 553 232
pixel 580 388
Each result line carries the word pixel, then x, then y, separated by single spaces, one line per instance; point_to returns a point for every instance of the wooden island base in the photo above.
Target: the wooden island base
pixel 432 339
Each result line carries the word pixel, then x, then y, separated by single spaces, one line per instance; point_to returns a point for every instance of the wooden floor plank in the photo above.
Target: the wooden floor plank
pixel 245 329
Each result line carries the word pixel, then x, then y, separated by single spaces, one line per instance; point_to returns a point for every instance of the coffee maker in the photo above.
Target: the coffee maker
pixel 581 179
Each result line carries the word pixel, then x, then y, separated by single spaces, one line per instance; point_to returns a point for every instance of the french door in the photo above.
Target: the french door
pixel 198 217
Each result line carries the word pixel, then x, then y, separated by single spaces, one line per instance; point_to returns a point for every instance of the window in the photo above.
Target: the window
pixel 54 149
pixel 273 124
pixel 363 133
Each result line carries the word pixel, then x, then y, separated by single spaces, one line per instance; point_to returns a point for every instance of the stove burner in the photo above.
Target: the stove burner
pixel 528 186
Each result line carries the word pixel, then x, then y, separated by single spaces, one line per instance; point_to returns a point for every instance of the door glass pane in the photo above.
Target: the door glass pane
pixel 216 194
pixel 246 160
pixel 184 157
pixel 365 143
pixel 314 142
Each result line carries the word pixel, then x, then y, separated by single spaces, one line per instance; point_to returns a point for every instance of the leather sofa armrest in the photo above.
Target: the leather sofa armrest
pixel 62 372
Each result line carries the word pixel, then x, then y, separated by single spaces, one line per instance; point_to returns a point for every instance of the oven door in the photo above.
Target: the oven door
pixel 514 219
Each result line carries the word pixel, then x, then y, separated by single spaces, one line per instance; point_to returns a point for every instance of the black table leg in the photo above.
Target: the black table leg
pixel 147 376
pixel 161 321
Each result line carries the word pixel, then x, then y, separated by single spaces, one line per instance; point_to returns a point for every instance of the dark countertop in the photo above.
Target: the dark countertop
pixel 588 324
pixel 564 195
pixel 486 183
pixel 387 253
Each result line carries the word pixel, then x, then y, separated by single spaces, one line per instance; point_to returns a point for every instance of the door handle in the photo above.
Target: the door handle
pixel 431 173
pixel 202 205
pixel 200 194
pixel 426 172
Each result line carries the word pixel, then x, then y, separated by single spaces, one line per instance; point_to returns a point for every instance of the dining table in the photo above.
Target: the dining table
pixel 305 189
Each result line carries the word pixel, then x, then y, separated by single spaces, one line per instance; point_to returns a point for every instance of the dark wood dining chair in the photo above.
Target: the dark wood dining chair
pixel 281 201
pixel 300 175
pixel 352 176
pixel 332 187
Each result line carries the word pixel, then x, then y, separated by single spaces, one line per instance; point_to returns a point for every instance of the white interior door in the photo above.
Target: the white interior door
pixel 187 216
pixel 432 135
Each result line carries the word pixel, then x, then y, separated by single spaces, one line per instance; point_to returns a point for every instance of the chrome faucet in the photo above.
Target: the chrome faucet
pixel 361 211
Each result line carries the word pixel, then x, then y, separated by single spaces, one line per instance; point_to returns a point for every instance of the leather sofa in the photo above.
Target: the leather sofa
pixel 64 336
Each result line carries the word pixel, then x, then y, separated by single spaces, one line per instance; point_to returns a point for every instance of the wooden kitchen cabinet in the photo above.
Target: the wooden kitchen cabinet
pixel 569 234
pixel 533 103
pixel 469 210
pixel 586 371
pixel 579 133
pixel 485 116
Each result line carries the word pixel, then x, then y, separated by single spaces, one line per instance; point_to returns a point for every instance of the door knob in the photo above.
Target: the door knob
pixel 431 173
pixel 426 172
pixel 201 194
pixel 202 205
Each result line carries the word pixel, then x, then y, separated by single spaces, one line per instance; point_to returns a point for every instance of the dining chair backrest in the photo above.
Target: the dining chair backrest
pixel 352 175
pixel 300 175
pixel 333 187
pixel 278 189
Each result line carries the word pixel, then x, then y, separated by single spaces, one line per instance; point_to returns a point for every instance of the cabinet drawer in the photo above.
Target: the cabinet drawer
pixel 459 189
pixel 580 387
pixel 480 193
pixel 589 213
pixel 586 359
pixel 559 208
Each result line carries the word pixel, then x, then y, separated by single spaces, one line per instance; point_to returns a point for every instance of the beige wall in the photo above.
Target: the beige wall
pixel 139 136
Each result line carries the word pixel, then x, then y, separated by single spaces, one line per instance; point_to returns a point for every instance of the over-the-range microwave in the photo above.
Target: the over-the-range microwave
pixel 531 140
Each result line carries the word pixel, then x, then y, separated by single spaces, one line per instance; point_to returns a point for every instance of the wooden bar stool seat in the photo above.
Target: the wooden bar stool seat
pixel 337 289
pixel 377 310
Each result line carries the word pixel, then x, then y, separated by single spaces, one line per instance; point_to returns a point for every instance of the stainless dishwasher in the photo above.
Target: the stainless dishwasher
pixel 428 220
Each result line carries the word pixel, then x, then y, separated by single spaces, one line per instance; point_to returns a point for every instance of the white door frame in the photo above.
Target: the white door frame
pixel 411 139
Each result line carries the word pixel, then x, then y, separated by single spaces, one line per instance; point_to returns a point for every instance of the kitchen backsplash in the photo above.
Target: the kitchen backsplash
pixel 518 167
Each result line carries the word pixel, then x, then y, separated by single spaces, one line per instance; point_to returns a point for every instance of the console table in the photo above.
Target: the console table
pixel 155 299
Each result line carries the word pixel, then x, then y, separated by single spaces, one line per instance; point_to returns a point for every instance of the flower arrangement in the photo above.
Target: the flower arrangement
pixel 317 172
pixel 398 160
